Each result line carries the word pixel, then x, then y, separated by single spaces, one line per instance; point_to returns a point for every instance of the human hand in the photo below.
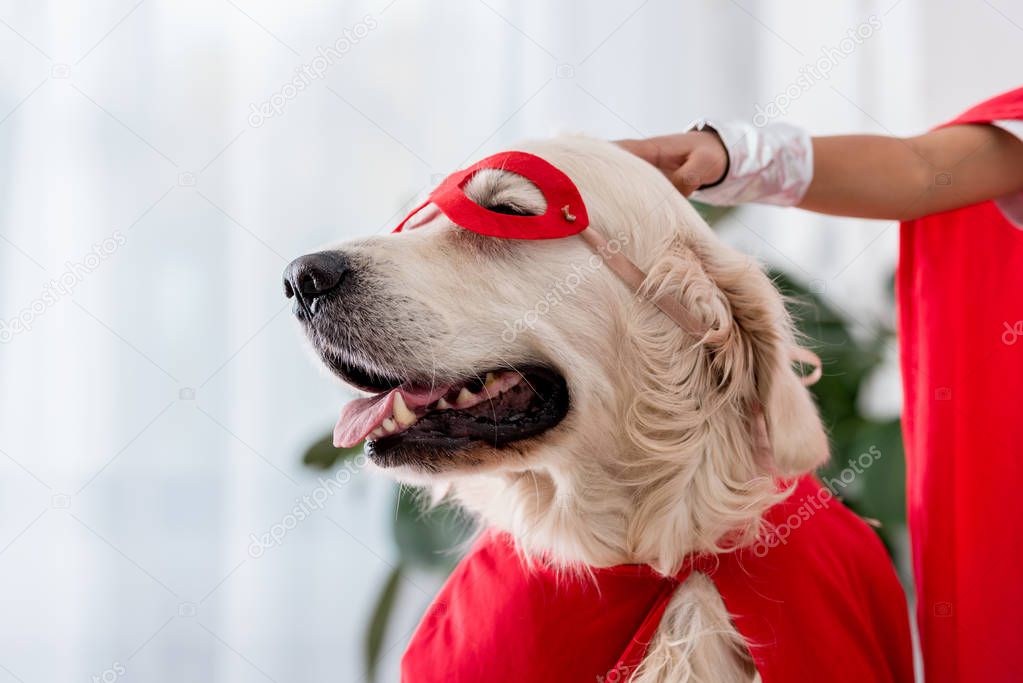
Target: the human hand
pixel 689 160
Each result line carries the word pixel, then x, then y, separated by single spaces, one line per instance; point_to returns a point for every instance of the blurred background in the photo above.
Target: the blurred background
pixel 161 162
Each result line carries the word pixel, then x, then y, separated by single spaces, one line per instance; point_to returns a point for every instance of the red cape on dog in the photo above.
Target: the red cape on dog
pixel 816 599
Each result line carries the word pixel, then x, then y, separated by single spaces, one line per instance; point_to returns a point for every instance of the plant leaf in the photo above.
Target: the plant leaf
pixel 428 539
pixel 711 214
pixel 322 454
pixel 377 629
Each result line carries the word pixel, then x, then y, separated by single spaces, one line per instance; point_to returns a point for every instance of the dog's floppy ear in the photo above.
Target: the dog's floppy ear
pixel 798 441
pixel 750 343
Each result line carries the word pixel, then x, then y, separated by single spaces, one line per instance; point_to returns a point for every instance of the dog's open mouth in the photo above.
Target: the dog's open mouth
pixel 495 408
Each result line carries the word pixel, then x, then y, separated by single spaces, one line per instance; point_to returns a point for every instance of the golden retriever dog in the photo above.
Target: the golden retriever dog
pixel 607 434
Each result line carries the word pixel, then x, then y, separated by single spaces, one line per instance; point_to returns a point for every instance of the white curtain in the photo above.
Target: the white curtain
pixel 157 172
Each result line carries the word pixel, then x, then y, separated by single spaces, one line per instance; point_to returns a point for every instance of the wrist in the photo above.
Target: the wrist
pixel 769 165
pixel 711 133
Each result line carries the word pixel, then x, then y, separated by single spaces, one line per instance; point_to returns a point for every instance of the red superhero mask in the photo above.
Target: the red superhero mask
pixel 566 211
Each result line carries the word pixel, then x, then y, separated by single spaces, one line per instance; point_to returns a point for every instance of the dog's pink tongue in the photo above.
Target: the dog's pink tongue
pixel 360 417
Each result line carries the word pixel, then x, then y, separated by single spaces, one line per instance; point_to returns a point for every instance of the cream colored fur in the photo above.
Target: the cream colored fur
pixel 654 460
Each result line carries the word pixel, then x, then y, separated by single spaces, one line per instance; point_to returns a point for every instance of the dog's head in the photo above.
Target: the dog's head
pixel 501 359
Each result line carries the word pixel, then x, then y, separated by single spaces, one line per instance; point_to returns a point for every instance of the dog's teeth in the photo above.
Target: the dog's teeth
pixel 442 404
pixel 490 380
pixel 402 414
pixel 465 398
pixel 390 425
pixel 377 433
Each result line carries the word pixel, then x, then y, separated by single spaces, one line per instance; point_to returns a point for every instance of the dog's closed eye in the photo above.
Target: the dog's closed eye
pixel 506 192
pixel 509 209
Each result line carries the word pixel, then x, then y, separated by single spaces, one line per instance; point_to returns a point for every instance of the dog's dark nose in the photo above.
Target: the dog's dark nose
pixel 312 276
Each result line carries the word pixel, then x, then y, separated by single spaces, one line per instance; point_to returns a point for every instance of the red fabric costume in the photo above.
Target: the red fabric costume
pixel 817 600
pixel 960 289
